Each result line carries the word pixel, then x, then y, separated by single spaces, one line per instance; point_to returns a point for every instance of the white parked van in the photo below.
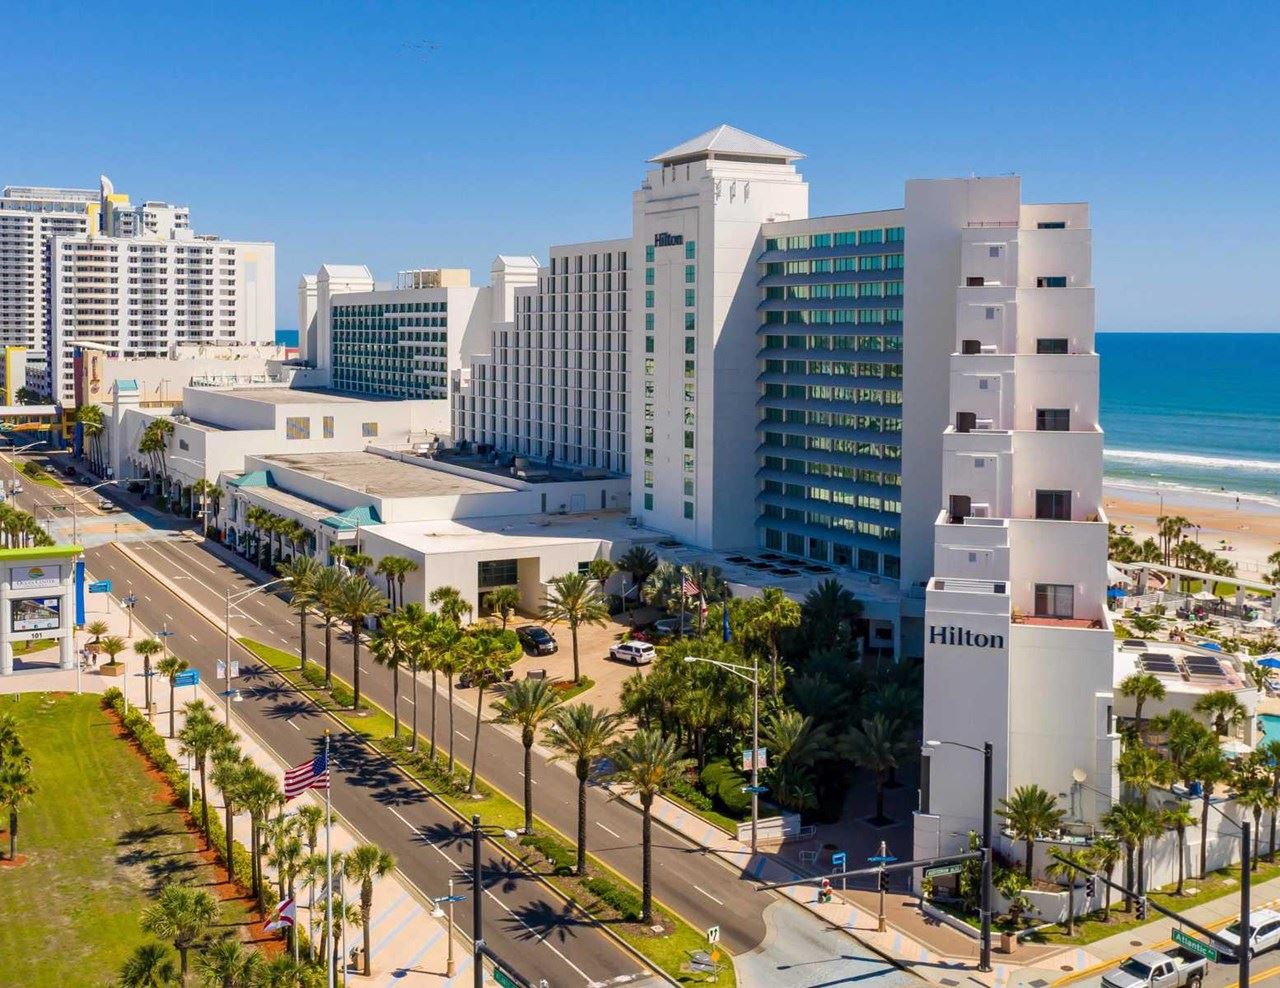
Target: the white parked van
pixel 637 653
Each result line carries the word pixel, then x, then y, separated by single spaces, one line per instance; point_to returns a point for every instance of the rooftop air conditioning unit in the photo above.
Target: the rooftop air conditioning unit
pixel 980 511
pixel 984 424
pixel 990 348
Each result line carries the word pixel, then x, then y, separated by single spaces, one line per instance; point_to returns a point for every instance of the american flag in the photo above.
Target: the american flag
pixel 689 588
pixel 313 774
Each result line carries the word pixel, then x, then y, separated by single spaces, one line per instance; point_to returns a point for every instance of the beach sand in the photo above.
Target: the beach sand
pixel 1251 527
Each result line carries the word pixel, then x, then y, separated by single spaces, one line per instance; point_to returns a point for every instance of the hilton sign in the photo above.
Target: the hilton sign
pixel 953 634
pixel 668 239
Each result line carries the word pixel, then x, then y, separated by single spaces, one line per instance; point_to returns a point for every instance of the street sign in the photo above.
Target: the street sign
pixel 762 758
pixel 882 859
pixel 713 934
pixel 839 860
pixel 165 634
pixel 757 790
pixel 100 586
pixel 129 600
pixel 504 979
pixel 188 677
pixel 941 871
pixel 1194 945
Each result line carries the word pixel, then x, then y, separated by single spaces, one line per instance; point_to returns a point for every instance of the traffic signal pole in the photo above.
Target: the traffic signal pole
pixel 477 906
pixel 1246 932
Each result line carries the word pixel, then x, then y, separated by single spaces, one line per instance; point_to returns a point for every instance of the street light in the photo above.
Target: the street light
pixel 450 967
pixel 229 694
pixel 754 679
pixel 984 958
pixel 14 457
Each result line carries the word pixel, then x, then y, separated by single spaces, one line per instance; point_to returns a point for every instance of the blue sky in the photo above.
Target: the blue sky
pixel 406 135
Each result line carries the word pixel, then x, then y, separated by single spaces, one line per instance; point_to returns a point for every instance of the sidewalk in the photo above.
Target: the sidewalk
pixel 409 947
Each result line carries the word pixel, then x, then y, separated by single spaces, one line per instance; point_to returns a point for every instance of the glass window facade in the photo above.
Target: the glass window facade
pixel 392 349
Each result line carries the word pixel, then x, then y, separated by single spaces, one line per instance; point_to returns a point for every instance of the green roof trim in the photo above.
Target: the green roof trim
pixel 258 478
pixel 359 517
pixel 40 552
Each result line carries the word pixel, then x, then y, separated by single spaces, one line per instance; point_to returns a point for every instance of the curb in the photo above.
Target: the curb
pixel 573 904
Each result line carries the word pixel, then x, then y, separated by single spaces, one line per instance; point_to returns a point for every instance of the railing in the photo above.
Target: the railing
pixel 992 223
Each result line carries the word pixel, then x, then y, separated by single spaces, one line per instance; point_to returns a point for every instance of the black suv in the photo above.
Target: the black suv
pixel 536 640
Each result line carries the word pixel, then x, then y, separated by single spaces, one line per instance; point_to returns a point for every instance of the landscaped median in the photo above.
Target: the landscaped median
pixel 603 894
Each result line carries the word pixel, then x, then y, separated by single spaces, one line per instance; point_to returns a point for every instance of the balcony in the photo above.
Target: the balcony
pixel 1044 621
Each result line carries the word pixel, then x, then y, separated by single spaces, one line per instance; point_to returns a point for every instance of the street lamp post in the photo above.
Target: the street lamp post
pixel 984 957
pixel 13 462
pixel 754 679
pixel 450 966
pixel 230 600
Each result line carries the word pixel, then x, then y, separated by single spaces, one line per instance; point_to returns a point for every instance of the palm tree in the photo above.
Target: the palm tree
pixel 230 773
pixel 390 647
pixel 1270 756
pixel 639 562
pixel 227 963
pixel 364 863
pixel 147 648
pixel 358 601
pixel 1104 855
pixel 1209 767
pixel 285 852
pixel 113 645
pixel 1253 790
pixel 260 795
pixel 450 661
pixel 16 790
pixel 1222 708
pixel 1142 768
pixel 583 734
pixel 149 966
pixel 438 636
pixel 1141 687
pixel 771 613
pixel 645 765
pixel 169 667
pixel 503 602
pixel 600 570
pixel 182 914
pixel 487 653
pixel 394 569
pixel 303 573
pixel 1178 818
pixel 828 613
pixel 282 971
pixel 574 599
pixel 417 657
pixel 97 629
pixel 450 603
pixel 528 703
pixel 328 596
pixel 1124 821
pixel 876 746
pixel 1064 866
pixel 1030 812
pixel 200 736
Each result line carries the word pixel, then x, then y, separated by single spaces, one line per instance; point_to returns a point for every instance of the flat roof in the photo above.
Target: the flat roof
pixel 512 533
pixel 382 476
pixel 302 396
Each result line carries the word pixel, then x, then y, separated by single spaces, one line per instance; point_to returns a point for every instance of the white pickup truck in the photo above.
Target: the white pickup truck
pixel 1152 969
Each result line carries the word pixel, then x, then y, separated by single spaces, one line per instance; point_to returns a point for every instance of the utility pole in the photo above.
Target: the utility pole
pixel 477 911
pixel 884 881
pixel 1246 932
pixel 984 956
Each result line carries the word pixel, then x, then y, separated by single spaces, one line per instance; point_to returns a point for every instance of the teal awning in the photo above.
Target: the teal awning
pixel 127 384
pixel 358 517
pixel 258 478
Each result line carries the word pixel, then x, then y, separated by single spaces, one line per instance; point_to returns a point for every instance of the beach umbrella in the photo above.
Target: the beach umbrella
pixel 1270 662
pixel 1211 646
pixel 1113 593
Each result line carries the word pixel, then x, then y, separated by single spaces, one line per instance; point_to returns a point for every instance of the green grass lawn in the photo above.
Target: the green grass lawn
pixel 39 475
pixel 36 645
pixel 668 951
pixel 99 838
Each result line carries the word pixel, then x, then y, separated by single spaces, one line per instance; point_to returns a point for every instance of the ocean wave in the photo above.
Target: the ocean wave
pixel 1216 495
pixel 1192 460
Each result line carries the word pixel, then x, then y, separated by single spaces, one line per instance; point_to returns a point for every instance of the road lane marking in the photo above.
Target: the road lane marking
pixel 607 830
pixel 461 735
pixel 409 825
pixel 297 728
pixel 709 895
pixel 192 637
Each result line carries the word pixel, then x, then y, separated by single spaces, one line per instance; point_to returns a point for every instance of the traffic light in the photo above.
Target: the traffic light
pixel 1142 907
pixel 1090 886
pixel 884 881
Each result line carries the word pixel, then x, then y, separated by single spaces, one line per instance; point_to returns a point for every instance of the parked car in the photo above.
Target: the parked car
pixel 676 626
pixel 1152 969
pixel 637 653
pixel 69 470
pixel 1264 931
pixel 105 504
pixel 15 488
pixel 536 640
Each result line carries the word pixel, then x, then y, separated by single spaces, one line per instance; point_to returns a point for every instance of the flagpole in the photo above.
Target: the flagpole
pixel 328 865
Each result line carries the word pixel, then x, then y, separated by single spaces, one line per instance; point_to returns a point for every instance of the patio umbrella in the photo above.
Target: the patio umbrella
pixel 1211 646
pixel 1113 593
pixel 1259 622
pixel 1205 595
pixel 1270 662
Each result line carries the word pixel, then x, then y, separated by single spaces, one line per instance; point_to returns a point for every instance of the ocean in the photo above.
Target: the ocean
pixel 1193 411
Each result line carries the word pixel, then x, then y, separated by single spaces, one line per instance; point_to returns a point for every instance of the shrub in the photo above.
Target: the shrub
pixel 732 798
pixel 711 775
pixel 560 856
pixel 341 693
pixel 625 904
pixel 685 789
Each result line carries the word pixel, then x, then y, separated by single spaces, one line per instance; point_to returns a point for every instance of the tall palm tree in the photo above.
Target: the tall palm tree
pixel 1209 766
pixel 227 963
pixel 304 574
pixel 828 613
pixel 639 563
pixel 17 788
pixel 503 602
pixel 328 597
pixel 390 647
pixel 1141 687
pixel 417 657
pixel 528 703
pixel 1104 855
pixel 260 795
pixel 450 660
pixel 169 667
pixel 575 600
pixel 878 745
pixel 487 654
pixel 395 569
pixel 365 863
pixel 200 736
pixel 645 765
pixel 149 966
pixel 772 613
pixel 1064 866
pixel 450 603
pixel 282 971
pixel 1030 812
pixel 1142 768
pixel 600 570
pixel 1252 790
pixel 357 601
pixel 230 774
pixel 181 914
pixel 1178 818
pixel 582 734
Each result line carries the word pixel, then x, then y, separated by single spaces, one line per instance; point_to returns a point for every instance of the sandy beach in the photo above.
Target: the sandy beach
pixel 1251 527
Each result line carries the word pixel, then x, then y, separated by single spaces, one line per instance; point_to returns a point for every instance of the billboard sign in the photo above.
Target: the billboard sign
pixel 34 577
pixel 35 614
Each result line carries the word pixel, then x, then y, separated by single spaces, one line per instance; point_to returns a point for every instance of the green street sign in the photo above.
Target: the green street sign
pixel 1194 945
pixel 940 871
pixel 503 978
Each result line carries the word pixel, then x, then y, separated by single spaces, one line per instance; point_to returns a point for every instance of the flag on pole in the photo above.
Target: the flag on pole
pixel 702 608
pixel 312 774
pixel 222 669
pixel 285 916
pixel 689 589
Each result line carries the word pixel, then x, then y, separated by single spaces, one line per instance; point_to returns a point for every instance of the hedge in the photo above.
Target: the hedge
pixel 687 791
pixel 627 904
pixel 562 858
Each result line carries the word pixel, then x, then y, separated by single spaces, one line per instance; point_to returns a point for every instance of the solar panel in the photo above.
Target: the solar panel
pixel 1159 662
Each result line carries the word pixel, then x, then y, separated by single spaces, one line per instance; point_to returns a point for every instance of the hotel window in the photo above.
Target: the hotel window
pixel 688 509
pixel 648 502
pixel 369 430
pixel 688 488
pixel 1052 225
pixel 1051 345
pixel 688 440
pixel 688 344
pixel 648 344
pixel 870 237
pixel 1053 505
pixel 689 320
pixel 1053 281
pixel 688 297
pixel 648 366
pixel 894 234
pixel 689 368
pixel 688 463
pixel 648 253
pixel 690 250
pixel 297 428
pixel 648 300
pixel 1055 600
pixel 648 322
pixel 1053 420
pixel 648 478
pixel 326 425
pixel 690 274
